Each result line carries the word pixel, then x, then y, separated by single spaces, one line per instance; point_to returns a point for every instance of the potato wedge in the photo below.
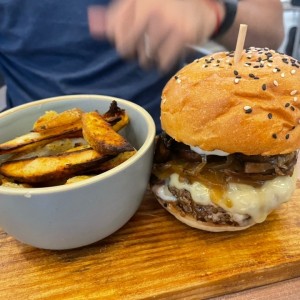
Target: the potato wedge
pixel 17 144
pixel 49 148
pixel 56 151
pixel 101 136
pixel 7 182
pixel 116 117
pixel 52 120
pixel 78 178
pixel 52 168
pixel 53 126
pixel 112 163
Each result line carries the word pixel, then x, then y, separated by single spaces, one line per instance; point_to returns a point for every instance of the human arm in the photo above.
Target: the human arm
pixel 265 24
pixel 157 31
pixel 153 28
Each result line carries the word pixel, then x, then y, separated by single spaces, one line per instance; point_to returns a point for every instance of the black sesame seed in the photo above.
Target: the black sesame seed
pixel 274 136
pixel 292 108
pixel 287 105
pixel 251 75
pixel 287 136
pixel 256 77
pixel 264 87
pixel 236 72
pixel 255 67
pixel 176 77
pixel 238 76
pixel 270 116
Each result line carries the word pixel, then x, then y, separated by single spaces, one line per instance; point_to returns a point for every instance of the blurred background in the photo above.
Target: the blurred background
pixel 290 44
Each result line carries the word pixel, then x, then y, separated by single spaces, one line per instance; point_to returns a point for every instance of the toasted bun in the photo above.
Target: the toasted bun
pixel 250 107
pixel 192 222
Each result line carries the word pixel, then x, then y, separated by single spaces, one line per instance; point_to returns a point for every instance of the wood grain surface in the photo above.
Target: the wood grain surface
pixel 156 256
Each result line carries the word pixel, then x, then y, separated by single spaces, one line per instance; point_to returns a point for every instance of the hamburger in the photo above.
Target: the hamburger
pixel 226 156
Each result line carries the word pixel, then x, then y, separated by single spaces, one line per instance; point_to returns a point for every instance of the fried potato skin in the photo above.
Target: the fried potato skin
pixel 24 142
pixel 52 120
pixel 47 148
pixel 56 150
pixel 53 126
pixel 78 178
pixel 101 136
pixel 52 168
pixel 112 163
pixel 116 117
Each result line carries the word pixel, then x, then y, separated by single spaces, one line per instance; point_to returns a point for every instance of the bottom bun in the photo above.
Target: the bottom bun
pixel 211 217
pixel 191 221
pixel 247 205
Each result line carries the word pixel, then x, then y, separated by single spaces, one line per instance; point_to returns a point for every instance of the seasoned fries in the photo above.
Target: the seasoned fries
pixel 112 163
pixel 101 136
pixel 116 117
pixel 65 147
pixel 52 168
pixel 26 141
pixel 52 120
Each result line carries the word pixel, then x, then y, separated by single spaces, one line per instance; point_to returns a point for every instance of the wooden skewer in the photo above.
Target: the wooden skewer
pixel 240 43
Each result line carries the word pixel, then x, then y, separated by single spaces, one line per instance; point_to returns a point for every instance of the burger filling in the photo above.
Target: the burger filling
pixel 234 189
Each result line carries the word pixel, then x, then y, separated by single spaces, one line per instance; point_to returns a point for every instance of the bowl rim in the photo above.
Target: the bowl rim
pixel 76 185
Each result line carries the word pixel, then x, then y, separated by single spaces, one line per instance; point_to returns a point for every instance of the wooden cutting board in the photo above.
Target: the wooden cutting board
pixel 154 255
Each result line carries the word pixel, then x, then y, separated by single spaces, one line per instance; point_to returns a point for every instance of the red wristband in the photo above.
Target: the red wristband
pixel 216 8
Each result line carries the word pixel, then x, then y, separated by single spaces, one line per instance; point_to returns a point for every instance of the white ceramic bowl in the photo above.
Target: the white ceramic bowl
pixel 78 214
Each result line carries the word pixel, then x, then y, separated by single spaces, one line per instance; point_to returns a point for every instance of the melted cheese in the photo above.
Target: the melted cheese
pixel 244 199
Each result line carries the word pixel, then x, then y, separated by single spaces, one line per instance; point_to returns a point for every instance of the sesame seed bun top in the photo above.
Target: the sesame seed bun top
pixel 252 107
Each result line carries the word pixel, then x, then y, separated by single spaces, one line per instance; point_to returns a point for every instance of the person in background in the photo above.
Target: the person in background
pixel 126 48
pixel 156 31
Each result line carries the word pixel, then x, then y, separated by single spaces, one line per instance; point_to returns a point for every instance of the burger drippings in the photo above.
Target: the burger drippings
pixel 217 171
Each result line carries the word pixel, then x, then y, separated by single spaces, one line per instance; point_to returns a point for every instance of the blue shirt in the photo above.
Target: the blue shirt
pixel 46 50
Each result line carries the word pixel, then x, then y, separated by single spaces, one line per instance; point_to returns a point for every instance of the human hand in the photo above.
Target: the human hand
pixel 153 31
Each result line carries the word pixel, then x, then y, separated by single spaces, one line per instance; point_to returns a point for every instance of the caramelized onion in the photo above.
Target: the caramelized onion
pixel 174 157
pixel 251 167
